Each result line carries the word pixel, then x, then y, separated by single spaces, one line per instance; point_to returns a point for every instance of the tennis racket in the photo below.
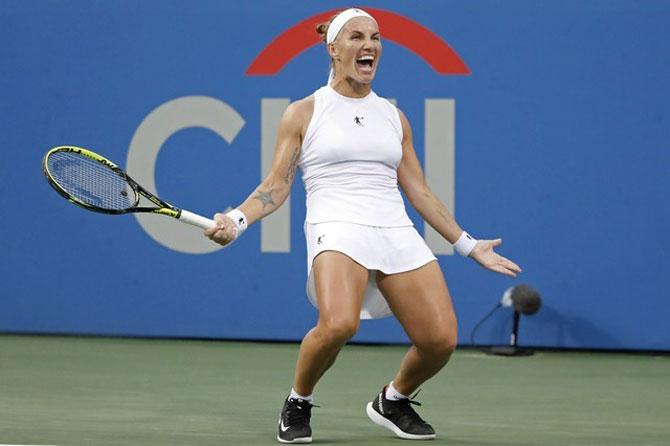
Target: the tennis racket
pixel 97 184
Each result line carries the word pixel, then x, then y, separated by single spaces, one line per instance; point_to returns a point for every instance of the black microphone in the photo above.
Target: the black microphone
pixel 524 300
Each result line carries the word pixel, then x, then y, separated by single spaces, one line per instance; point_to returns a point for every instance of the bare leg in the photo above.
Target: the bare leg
pixel 421 302
pixel 340 287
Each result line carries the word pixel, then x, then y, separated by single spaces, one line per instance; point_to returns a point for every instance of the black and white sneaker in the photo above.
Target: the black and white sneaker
pixel 294 422
pixel 399 417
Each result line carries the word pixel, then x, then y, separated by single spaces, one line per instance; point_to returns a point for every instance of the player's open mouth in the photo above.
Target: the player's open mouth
pixel 365 63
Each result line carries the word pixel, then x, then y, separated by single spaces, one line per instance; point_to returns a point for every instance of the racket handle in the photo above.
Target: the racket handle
pixel 196 220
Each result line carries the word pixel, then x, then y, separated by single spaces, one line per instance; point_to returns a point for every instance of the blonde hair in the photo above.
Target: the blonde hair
pixel 322 28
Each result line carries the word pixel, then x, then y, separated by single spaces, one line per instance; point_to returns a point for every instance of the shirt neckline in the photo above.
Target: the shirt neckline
pixel 349 98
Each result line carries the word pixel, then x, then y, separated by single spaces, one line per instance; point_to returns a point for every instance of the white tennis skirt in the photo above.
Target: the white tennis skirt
pixel 389 250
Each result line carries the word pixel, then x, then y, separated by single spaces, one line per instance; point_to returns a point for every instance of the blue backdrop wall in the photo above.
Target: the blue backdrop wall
pixel 561 125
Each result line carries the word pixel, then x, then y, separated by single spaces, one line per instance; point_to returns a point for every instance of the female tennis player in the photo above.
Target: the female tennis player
pixel 366 259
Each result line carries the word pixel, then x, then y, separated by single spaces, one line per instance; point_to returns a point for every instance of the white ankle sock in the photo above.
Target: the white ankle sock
pixel 295 396
pixel 393 395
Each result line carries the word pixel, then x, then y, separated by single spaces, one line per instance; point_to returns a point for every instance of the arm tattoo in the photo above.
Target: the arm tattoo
pixel 292 167
pixel 265 198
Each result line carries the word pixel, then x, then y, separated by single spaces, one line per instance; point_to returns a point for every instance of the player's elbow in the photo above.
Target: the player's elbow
pixel 277 188
pixel 418 194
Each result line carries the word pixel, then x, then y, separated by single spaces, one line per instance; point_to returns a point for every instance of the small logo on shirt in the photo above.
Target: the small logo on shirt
pixel 359 121
pixel 319 240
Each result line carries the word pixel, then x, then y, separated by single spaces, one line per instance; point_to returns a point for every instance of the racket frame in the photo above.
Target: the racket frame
pixel 163 207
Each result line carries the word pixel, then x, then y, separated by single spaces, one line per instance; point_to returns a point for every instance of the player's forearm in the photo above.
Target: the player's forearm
pixel 266 199
pixel 435 213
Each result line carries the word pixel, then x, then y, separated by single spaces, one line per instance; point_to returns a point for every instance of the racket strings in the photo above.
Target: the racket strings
pixel 90 181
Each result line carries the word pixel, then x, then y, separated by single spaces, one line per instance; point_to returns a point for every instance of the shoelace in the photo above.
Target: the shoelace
pixel 298 413
pixel 404 406
pixel 411 398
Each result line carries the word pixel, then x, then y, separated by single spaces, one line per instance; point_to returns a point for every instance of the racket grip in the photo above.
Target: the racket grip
pixel 196 220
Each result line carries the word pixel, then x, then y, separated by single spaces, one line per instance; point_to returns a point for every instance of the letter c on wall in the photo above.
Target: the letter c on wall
pixel 164 121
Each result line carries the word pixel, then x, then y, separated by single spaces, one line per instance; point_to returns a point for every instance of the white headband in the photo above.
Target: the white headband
pixel 341 19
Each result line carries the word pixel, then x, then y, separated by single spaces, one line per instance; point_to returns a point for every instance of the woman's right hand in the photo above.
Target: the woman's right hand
pixel 224 232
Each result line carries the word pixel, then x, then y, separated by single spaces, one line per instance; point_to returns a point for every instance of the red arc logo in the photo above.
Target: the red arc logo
pixel 394 27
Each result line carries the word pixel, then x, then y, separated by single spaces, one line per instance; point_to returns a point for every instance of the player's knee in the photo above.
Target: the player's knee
pixel 338 330
pixel 441 343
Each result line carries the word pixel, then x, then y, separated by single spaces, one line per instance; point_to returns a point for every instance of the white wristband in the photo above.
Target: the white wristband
pixel 239 219
pixel 465 244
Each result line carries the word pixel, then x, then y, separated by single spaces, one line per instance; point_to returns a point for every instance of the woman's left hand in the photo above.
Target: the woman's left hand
pixel 484 254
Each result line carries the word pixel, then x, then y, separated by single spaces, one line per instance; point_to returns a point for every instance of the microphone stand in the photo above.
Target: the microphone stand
pixel 512 349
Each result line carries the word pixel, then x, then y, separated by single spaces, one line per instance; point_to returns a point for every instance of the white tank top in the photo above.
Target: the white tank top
pixel 349 161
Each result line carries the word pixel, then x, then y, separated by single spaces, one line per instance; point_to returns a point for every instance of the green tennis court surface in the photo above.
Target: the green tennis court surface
pixel 96 391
